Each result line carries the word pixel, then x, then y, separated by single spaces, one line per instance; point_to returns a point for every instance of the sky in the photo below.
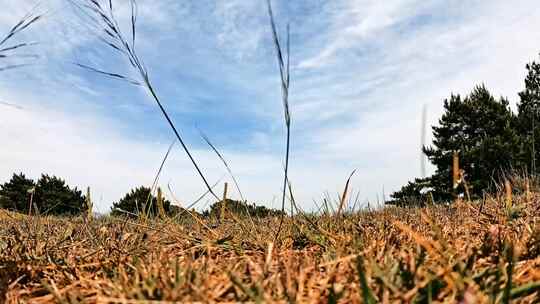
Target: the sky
pixel 362 71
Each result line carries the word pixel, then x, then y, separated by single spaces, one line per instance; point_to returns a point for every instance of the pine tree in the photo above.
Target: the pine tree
pixel 53 196
pixel 483 130
pixel 141 201
pixel 529 117
pixel 15 194
pixel 417 192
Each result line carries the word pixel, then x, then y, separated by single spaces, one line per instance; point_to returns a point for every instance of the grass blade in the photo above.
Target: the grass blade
pixel 344 195
pixel 110 26
pixel 156 178
pixel 220 156
pixel 284 70
pixel 367 295
pixel 28 20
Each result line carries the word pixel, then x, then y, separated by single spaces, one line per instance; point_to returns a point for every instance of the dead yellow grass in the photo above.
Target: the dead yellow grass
pixel 465 253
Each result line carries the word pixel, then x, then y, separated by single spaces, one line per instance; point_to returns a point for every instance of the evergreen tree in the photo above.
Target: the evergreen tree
pixel 417 192
pixel 483 130
pixel 53 196
pixel 135 202
pixel 529 117
pixel 15 194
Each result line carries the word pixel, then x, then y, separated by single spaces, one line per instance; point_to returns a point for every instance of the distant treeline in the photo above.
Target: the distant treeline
pixel 50 195
pixel 489 140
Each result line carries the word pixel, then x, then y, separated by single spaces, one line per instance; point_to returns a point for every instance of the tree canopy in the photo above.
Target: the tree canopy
pixel 50 195
pixel 15 194
pixel 141 201
pixel 489 138
pixel 482 130
pixel 529 116
pixel 241 209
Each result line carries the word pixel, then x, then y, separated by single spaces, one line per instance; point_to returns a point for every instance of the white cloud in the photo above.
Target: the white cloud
pixel 358 89
pixel 354 23
pixel 240 28
pixel 366 109
pixel 89 151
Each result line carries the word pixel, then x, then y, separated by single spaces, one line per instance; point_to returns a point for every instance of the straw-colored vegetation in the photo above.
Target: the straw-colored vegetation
pixel 147 250
pixel 480 252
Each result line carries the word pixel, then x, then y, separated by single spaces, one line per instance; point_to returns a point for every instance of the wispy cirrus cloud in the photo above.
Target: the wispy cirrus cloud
pixel 362 72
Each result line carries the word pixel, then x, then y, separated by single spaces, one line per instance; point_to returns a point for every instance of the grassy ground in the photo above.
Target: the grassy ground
pixel 480 252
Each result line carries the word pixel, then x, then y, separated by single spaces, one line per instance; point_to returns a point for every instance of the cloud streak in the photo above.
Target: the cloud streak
pixel 362 72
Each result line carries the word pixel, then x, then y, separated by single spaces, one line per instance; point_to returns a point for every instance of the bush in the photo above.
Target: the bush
pixel 241 209
pixel 141 200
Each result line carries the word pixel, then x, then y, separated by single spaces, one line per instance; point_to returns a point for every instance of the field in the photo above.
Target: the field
pixel 479 252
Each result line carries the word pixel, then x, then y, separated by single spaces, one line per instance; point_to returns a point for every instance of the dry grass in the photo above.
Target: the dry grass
pixel 474 252
pixel 466 252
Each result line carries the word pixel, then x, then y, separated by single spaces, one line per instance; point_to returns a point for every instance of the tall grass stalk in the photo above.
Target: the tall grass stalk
pixel 110 33
pixel 229 170
pixel 423 142
pixel 455 170
pixel 89 206
pixel 344 195
pixel 220 156
pixel 159 202
pixel 10 50
pixel 200 198
pixel 223 204
pixel 156 178
pixel 284 69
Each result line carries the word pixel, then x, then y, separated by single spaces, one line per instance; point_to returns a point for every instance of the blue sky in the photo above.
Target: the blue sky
pixel 362 71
